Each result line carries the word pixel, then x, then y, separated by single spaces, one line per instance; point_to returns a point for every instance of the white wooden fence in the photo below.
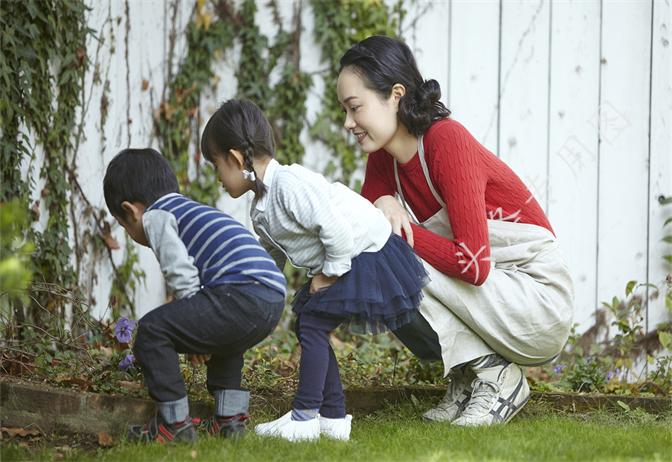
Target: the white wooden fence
pixel 576 96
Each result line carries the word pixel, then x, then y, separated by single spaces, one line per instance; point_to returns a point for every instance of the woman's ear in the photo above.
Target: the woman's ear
pixel 236 158
pixel 398 91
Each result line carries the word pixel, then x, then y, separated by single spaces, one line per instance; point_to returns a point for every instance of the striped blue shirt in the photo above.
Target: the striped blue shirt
pixel 221 248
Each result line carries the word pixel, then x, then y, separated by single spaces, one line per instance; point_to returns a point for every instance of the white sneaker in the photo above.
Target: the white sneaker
pixel 338 429
pixel 291 430
pixel 456 398
pixel 497 398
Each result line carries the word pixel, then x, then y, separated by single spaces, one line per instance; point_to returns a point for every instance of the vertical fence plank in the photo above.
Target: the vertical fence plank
pixel 661 157
pixel 430 41
pixel 474 68
pixel 523 132
pixel 572 182
pixel 622 120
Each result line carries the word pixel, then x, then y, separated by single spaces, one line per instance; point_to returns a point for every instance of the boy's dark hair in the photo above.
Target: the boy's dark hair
pixel 240 125
pixel 383 62
pixel 137 175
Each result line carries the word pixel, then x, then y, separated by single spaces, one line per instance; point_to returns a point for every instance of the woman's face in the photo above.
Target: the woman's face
pixel 372 119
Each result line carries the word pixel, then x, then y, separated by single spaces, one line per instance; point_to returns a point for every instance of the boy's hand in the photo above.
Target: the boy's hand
pixel 196 360
pixel 320 281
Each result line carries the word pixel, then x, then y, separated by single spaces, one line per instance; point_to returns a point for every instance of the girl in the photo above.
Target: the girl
pixel 500 294
pixel 361 273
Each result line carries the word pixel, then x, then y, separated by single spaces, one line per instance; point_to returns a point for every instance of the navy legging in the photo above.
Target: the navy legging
pixel 319 381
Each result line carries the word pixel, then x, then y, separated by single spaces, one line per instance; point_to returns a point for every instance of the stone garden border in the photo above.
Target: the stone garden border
pixel 49 409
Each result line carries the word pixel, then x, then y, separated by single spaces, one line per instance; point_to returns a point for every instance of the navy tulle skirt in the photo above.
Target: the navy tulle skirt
pixel 380 292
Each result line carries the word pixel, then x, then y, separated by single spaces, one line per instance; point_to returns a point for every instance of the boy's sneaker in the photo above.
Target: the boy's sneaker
pixel 456 398
pixel 291 430
pixel 499 393
pixel 338 429
pixel 158 430
pixel 226 427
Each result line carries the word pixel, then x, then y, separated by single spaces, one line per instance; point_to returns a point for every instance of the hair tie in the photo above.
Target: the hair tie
pixel 249 175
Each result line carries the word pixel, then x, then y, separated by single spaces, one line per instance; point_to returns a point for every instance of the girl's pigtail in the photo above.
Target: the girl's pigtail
pixel 248 154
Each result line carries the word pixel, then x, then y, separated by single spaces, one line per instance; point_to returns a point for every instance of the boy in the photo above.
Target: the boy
pixel 229 295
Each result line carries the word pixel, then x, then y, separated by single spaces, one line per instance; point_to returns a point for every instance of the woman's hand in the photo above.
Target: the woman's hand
pixel 320 281
pixel 195 360
pixel 397 215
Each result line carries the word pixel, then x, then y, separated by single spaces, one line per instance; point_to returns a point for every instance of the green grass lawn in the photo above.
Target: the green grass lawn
pixel 398 434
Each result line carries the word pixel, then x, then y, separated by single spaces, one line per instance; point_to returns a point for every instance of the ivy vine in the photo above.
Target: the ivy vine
pixel 177 119
pixel 42 69
pixel 338 25
pixel 285 102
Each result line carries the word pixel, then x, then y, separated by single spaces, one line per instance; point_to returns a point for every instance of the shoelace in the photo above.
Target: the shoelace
pixel 209 425
pixel 213 425
pixel 482 398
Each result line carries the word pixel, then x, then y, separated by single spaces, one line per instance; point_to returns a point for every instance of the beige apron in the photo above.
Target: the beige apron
pixel 523 310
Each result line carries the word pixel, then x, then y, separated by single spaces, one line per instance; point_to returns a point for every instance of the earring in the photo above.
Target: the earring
pixel 249 175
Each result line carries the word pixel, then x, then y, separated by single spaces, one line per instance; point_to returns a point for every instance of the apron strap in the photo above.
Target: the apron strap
pixel 425 170
pixel 401 195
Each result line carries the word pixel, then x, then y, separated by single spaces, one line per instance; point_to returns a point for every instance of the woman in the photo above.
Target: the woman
pixel 501 295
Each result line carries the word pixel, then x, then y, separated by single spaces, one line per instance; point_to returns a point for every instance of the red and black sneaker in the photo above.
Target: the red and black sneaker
pixel 226 427
pixel 158 430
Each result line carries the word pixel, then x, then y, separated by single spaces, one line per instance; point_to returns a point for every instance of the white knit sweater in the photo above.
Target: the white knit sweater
pixel 318 225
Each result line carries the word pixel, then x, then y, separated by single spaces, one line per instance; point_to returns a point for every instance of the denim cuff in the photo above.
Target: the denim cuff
pixel 174 411
pixel 231 402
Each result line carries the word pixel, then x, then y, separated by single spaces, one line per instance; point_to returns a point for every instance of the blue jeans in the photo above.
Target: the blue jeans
pixel 222 321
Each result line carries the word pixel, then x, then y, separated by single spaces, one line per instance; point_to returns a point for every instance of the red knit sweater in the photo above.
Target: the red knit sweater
pixel 475 185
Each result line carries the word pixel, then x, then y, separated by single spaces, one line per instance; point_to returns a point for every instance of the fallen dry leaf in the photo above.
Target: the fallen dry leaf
pixel 108 239
pixel 130 385
pixel 107 351
pixel 80 382
pixel 104 439
pixel 22 432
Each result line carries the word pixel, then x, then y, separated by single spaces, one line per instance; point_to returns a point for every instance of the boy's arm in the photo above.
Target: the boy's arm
pixel 176 265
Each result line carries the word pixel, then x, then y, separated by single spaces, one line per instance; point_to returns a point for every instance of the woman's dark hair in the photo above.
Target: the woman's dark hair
pixel 240 125
pixel 383 62
pixel 137 175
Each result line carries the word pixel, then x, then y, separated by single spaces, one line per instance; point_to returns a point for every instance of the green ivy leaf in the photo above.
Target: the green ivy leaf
pixel 665 339
pixel 630 287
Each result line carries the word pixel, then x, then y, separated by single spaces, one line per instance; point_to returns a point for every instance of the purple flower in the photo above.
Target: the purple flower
pixel 127 363
pixel 124 330
pixel 612 374
pixel 559 368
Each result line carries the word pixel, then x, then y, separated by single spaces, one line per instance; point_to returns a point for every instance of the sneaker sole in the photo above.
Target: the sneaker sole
pixel 520 407
pixel 430 419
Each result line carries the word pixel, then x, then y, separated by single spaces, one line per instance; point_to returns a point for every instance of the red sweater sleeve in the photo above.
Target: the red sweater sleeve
pixel 454 166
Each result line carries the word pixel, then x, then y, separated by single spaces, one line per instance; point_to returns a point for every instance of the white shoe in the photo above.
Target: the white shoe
pixel 291 430
pixel 499 393
pixel 338 429
pixel 456 398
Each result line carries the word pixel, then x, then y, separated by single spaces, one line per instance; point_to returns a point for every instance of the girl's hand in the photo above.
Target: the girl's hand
pixel 195 360
pixel 397 215
pixel 320 281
